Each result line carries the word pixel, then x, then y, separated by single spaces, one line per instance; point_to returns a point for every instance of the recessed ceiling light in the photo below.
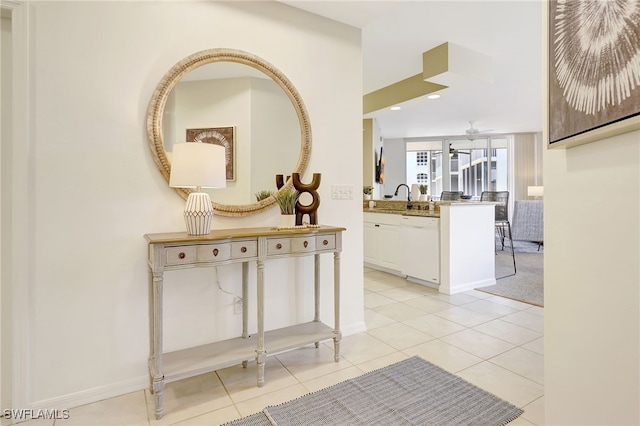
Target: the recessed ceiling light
pixel 433 96
pixel 395 108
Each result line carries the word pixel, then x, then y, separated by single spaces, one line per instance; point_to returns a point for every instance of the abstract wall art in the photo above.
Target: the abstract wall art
pixel 594 69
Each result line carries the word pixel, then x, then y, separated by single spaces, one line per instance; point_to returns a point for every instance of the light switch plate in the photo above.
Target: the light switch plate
pixel 342 192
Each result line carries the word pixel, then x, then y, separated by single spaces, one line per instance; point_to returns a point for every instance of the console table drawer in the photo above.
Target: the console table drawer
pixel 278 246
pixel 303 244
pixel 181 255
pixel 214 252
pixel 326 242
pixel 241 249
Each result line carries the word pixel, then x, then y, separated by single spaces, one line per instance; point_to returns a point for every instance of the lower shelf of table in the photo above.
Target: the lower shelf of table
pixel 214 356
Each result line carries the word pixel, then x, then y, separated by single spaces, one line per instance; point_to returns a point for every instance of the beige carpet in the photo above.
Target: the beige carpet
pixel 527 284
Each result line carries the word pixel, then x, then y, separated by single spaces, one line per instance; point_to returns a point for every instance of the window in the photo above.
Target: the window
pixel 469 166
pixel 424 165
pixel 422 158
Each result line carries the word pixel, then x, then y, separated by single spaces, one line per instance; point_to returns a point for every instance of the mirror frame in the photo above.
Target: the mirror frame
pixel 158 102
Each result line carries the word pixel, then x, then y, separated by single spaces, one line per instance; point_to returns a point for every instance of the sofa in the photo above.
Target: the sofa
pixel 527 223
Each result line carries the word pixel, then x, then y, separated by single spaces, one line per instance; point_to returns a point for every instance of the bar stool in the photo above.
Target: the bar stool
pixel 502 217
pixel 450 195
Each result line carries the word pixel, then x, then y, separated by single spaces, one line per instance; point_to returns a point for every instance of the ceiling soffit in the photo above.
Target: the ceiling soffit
pixel 446 65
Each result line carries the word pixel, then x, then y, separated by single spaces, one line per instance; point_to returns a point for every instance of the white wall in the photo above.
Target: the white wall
pixel 592 283
pixel 274 130
pixel 395 168
pixel 219 103
pixel 98 191
pixel 5 225
pixel 267 130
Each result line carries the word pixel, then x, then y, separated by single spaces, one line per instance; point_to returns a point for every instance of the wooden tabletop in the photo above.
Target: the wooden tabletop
pixel 223 234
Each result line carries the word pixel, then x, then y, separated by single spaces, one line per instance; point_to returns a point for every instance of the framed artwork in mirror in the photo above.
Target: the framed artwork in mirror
pixel 223 136
pixel 593 70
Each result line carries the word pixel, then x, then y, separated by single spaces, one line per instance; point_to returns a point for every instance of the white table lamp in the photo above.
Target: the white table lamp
pixel 535 191
pixel 198 165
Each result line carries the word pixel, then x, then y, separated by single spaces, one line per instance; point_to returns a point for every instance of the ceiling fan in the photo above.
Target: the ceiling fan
pixel 453 153
pixel 474 133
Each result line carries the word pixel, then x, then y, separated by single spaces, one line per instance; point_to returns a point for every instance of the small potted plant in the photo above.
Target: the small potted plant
pixel 423 192
pixel 263 194
pixel 287 199
pixel 368 192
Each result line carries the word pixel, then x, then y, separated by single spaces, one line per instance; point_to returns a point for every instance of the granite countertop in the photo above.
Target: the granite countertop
pixel 420 208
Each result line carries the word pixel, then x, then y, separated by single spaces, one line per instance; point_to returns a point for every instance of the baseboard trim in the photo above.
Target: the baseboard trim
pixel 88 396
pixel 383 269
pixel 100 393
pixel 468 286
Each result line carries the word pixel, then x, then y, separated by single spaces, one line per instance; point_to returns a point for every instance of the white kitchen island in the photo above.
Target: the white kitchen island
pixel 467 246
pixel 451 249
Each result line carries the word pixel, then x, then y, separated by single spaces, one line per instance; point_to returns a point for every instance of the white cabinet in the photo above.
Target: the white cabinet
pixel 420 248
pixel 382 240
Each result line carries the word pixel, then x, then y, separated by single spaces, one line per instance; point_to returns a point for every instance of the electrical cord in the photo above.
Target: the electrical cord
pixel 215 268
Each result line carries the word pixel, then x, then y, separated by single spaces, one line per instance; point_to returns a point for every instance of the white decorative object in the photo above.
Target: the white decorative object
pixel 415 192
pixel 198 165
pixel 423 197
pixel 287 220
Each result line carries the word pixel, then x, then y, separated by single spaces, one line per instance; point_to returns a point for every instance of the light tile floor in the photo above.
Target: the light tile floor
pixel 492 342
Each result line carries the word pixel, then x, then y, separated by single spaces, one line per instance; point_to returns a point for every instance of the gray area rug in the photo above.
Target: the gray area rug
pixel 410 392
pixel 527 284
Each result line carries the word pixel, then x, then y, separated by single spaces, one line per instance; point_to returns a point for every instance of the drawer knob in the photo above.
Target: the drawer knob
pixel 278 246
pixel 182 255
pixel 215 252
pixel 325 242
pixel 305 244
pixel 243 249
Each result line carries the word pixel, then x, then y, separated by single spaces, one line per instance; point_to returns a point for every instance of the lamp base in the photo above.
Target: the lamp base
pixel 198 213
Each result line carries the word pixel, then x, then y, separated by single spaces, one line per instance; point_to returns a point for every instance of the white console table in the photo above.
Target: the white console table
pixel 177 250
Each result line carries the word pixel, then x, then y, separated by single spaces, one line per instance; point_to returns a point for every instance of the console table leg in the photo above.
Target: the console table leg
pixel 260 359
pixel 158 392
pixel 155 357
pixel 260 350
pixel 316 287
pixel 245 300
pixel 336 307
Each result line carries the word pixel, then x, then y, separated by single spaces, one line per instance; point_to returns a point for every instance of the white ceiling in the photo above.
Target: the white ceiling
pixel 396 33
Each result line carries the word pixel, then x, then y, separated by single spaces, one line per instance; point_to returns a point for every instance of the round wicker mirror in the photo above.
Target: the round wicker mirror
pixel 156 110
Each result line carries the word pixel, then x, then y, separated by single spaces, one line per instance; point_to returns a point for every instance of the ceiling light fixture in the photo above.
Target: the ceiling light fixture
pixel 433 96
pixel 395 108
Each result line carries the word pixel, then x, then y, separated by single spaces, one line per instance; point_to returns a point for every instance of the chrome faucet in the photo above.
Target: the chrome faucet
pixel 409 203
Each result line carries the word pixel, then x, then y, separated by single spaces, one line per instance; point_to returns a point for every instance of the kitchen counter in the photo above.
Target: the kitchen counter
pixel 405 212
pixel 420 208
pixel 465 244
